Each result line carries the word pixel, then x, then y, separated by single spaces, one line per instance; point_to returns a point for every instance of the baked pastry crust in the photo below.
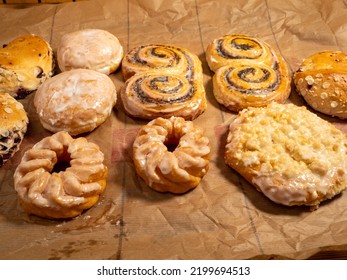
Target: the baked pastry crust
pixel 76 101
pixel 248 72
pixel 322 81
pixel 25 63
pixel 13 126
pixel 162 81
pixel 288 153
pixel 93 49
pixel 174 171
pixel 43 192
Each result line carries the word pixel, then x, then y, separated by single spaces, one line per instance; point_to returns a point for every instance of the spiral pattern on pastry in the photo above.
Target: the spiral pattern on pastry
pixel 163 81
pixel 174 171
pixel 248 72
pixel 46 193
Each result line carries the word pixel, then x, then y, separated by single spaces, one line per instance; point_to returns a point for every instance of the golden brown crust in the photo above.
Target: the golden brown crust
pixel 76 101
pixel 248 72
pixel 63 194
pixel 174 171
pixel 13 126
pixel 322 81
pixel 162 81
pixel 288 153
pixel 25 63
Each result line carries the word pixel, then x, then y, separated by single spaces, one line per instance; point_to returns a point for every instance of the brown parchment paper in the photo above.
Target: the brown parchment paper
pixel 224 217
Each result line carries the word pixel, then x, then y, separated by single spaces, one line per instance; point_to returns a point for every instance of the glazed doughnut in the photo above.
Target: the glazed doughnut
pixel 162 81
pixel 46 193
pixel 174 171
pixel 322 81
pixel 13 126
pixel 93 49
pixel 288 153
pixel 248 72
pixel 76 101
pixel 25 63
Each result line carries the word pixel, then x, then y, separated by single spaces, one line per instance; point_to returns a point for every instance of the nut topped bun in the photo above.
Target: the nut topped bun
pixel 25 63
pixel 13 126
pixel 93 49
pixel 322 81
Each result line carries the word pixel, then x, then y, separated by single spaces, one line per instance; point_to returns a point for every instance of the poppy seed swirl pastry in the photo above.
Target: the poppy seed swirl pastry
pixel 322 82
pixel 94 49
pixel 288 153
pixel 64 194
pixel 13 126
pixel 25 63
pixel 76 101
pixel 174 171
pixel 248 72
pixel 162 81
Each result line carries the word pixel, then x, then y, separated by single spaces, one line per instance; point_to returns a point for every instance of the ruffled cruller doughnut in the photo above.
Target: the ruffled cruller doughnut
pixel 288 153
pixel 162 81
pixel 25 63
pixel 63 194
pixel 174 171
pixel 248 72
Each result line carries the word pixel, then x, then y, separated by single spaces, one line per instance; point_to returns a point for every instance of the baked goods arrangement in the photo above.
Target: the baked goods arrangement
pixel 25 63
pixel 288 153
pixel 93 49
pixel 248 72
pixel 47 193
pixel 76 101
pixel 162 81
pixel 13 126
pixel 322 82
pixel 176 171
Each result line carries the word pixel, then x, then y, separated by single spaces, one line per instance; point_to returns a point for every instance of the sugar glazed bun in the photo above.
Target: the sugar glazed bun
pixel 174 171
pixel 248 72
pixel 13 126
pixel 25 63
pixel 162 81
pixel 46 193
pixel 289 154
pixel 93 49
pixel 76 101
pixel 322 81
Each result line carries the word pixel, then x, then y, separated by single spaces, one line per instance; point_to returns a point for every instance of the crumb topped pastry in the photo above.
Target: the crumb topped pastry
pixel 322 81
pixel 288 153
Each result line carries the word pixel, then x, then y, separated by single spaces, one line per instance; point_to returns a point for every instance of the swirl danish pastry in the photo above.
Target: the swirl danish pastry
pixel 248 72
pixel 46 193
pixel 288 153
pixel 174 171
pixel 76 101
pixel 162 81
pixel 322 81
pixel 25 63
pixel 13 126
